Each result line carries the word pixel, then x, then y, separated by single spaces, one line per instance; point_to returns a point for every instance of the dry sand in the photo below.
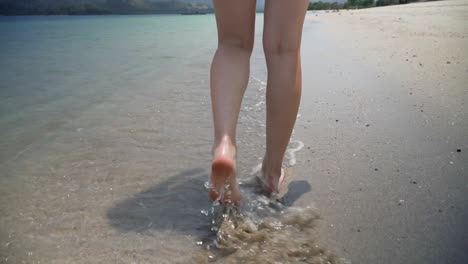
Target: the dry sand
pixel 384 119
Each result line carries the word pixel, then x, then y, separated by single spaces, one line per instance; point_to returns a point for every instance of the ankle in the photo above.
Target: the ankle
pixel 224 145
pixel 271 169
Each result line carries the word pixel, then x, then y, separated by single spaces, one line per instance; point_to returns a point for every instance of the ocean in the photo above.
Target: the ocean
pixel 105 147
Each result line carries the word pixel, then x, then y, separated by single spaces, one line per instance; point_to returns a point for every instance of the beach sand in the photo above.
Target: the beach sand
pixel 115 172
pixel 384 117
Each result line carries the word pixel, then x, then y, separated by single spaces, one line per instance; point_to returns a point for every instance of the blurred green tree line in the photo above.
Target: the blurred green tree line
pixel 353 4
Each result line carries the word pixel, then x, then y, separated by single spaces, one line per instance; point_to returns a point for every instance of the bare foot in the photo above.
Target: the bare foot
pixel 223 173
pixel 271 180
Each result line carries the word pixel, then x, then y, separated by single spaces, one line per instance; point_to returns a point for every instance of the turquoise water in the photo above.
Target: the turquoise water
pixel 45 49
pixel 105 147
pixel 66 64
pixel 94 110
pixel 106 134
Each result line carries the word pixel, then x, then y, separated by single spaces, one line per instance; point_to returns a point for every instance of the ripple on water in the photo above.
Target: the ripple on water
pixel 263 230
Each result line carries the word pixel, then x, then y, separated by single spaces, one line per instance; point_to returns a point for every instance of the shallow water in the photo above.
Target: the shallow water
pixel 104 147
pixel 264 230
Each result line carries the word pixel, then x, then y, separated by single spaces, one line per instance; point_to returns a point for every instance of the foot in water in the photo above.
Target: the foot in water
pixel 271 180
pixel 224 185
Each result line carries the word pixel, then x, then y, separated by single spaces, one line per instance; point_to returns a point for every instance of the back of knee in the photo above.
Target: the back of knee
pixel 242 44
pixel 281 47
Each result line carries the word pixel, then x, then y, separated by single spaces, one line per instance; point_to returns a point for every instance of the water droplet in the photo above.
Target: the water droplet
pixel 208 185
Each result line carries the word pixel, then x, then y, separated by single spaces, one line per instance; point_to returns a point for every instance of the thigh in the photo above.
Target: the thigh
pixel 235 20
pixel 283 21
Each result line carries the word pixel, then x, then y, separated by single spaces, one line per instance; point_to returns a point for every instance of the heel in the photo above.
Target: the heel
pixel 221 169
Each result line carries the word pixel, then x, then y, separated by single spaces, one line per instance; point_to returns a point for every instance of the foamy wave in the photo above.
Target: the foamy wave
pixel 290 156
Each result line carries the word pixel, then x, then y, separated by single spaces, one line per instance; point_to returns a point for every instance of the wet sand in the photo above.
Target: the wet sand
pixel 385 124
pixel 376 166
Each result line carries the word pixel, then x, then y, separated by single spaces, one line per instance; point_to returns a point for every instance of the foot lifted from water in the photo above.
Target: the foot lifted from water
pixel 224 185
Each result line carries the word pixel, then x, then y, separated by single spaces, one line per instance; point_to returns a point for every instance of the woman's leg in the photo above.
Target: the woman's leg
pixel 229 77
pixel 281 43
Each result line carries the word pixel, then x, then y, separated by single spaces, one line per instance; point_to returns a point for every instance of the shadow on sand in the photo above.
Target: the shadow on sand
pixel 175 204
pixel 295 190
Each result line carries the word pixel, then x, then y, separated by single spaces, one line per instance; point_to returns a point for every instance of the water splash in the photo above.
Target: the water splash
pixel 265 231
